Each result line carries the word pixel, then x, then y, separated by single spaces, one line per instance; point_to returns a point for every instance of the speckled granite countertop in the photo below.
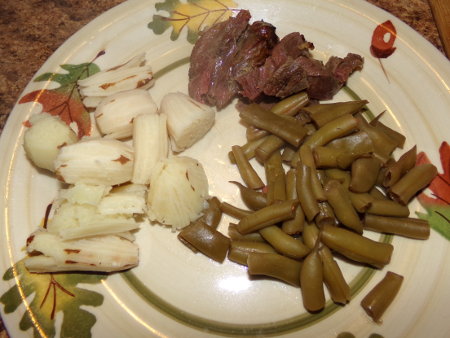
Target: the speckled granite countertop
pixel 31 30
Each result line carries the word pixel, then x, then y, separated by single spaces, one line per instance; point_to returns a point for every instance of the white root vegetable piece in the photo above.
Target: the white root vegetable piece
pixel 129 200
pixel 131 75
pixel 45 137
pixel 72 221
pixel 178 191
pixel 82 193
pixel 115 113
pixel 95 161
pixel 187 120
pixel 150 142
pixel 49 253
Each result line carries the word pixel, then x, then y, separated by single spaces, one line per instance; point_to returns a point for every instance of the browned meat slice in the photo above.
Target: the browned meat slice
pixel 226 50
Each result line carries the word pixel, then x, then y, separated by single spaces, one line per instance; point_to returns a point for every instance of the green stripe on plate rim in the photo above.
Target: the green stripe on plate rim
pixel 291 324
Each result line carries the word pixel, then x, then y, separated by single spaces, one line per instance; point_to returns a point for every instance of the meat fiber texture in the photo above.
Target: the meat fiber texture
pixel 236 58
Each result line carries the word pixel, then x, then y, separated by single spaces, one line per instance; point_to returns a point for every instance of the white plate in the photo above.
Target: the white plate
pixel 176 293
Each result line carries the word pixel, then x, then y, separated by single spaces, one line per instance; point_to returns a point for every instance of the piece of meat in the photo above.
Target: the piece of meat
pixel 207 69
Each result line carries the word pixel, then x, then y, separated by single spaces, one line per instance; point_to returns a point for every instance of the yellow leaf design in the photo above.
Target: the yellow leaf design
pixel 194 14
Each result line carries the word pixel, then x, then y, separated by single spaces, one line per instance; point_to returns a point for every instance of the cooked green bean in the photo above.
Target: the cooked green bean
pixel 276 266
pixel 248 149
pixel 288 153
pixel 383 144
pixel 396 170
pixel 233 211
pixel 361 201
pixel 339 127
pixel 397 137
pixel 235 235
pixel 415 180
pixel 325 215
pixel 248 173
pixel 213 214
pixel 364 174
pixel 253 199
pixel 381 296
pixel 332 276
pixel 206 239
pixel 295 225
pixel 310 235
pixel 311 282
pixel 307 158
pixel 290 131
pixel 283 243
pixel 339 175
pixel 269 215
pixel 377 194
pixel 239 250
pixel 356 247
pixel 271 144
pixel 339 199
pixel 275 177
pixel 286 107
pixel 323 113
pixel 407 227
pixel 388 208
pixel 305 193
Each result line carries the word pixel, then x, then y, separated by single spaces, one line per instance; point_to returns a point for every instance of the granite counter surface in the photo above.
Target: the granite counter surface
pixel 31 30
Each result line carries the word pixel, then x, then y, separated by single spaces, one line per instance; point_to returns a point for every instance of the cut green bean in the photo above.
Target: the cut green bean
pixel 334 279
pixel 239 250
pixel 235 235
pixel 339 199
pixel 275 177
pixel 339 175
pixel 305 193
pixel 310 235
pixel 269 215
pixel 248 149
pixel 397 137
pixel 206 239
pixel 323 113
pixel 291 132
pixel 252 199
pixel 307 158
pixel 233 211
pixel 364 174
pixel 325 215
pixel 275 266
pixel 248 173
pixel 283 243
pixel 295 225
pixel 339 127
pixel 388 208
pixel 356 247
pixel 410 184
pixel 271 144
pixel 311 282
pixel 407 227
pixel 381 296
pixel 396 170
pixel 361 201
pixel 213 214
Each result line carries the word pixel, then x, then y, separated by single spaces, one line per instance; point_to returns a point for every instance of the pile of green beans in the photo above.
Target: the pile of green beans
pixel 329 176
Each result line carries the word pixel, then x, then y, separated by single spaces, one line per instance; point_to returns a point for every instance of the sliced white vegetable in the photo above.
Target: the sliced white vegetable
pixel 45 137
pixel 115 113
pixel 82 193
pixel 150 144
pixel 187 120
pixel 178 191
pixel 49 253
pixel 95 161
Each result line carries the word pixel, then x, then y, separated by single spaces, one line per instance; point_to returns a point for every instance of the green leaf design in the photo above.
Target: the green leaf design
pixel 439 219
pixel 53 293
pixel 74 73
pixel 193 15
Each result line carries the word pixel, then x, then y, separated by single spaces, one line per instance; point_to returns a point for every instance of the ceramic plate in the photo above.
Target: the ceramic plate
pixel 175 293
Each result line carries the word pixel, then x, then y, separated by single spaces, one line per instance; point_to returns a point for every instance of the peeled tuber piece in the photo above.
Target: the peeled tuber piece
pixel 178 191
pixel 95 161
pixel 45 137
pixel 187 120
pixel 115 113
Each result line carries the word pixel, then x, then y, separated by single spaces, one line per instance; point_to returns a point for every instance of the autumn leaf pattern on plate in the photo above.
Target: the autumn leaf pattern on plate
pixel 65 100
pixel 194 14
pixel 438 204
